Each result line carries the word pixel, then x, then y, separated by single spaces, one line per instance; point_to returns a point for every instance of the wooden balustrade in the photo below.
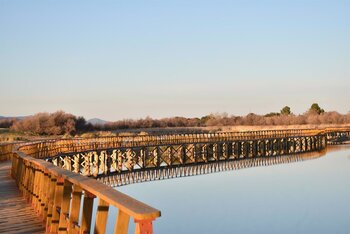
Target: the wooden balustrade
pixel 152 159
pixel 6 151
pixel 56 195
pixel 54 147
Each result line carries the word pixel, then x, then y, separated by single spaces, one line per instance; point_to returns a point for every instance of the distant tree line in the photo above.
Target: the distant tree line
pixel 314 115
pixel 59 123
pixel 7 122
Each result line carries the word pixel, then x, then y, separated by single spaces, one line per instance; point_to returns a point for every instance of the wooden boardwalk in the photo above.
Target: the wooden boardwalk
pixel 16 215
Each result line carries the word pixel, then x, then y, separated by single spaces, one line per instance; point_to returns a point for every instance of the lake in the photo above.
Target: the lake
pixel 311 196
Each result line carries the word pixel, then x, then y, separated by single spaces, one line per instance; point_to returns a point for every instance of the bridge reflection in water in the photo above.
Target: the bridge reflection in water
pixel 201 169
pixel 214 167
pixel 130 178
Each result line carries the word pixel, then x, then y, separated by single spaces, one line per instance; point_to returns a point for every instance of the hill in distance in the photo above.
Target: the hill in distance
pixel 11 117
pixel 97 121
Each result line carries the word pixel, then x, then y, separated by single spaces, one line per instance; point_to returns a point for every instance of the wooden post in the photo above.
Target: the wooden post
pixel 24 181
pixel 67 191
pixel 50 205
pixel 75 208
pixel 20 175
pixel 46 190
pixel 87 212
pixel 30 183
pixel 57 205
pixel 41 188
pixel 35 188
pixel 143 226
pixel 101 217
pixel 122 223
pixel 14 168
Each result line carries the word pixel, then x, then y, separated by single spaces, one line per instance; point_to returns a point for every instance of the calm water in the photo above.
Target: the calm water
pixel 304 197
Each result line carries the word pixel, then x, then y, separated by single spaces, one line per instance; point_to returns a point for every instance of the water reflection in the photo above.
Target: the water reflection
pixel 308 197
pixel 143 176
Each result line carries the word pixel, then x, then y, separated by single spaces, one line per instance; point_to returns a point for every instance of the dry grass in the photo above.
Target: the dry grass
pixel 6 135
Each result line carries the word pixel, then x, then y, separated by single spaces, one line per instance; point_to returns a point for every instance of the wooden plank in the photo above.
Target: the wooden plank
pixel 50 207
pixel 122 224
pixel 16 215
pixel 87 213
pixel 101 217
pixel 53 226
pixel 75 208
pixel 64 212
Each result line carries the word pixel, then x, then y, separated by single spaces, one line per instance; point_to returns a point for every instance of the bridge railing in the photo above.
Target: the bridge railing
pixel 55 147
pixel 6 151
pixel 49 148
pixel 57 194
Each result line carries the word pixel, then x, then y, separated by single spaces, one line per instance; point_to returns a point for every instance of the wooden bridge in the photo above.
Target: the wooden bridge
pixel 60 180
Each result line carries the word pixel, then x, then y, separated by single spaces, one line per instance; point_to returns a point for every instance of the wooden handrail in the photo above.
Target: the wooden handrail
pixel 51 189
pixel 6 151
pixel 55 147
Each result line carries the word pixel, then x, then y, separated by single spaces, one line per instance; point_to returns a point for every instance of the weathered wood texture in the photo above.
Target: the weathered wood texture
pixel 6 151
pixel 16 215
pixel 55 194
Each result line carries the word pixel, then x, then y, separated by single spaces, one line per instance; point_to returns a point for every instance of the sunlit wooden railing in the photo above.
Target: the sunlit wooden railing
pixel 54 147
pixel 6 151
pixel 56 195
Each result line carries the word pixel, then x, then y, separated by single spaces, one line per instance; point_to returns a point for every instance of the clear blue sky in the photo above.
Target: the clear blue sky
pixel 131 59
